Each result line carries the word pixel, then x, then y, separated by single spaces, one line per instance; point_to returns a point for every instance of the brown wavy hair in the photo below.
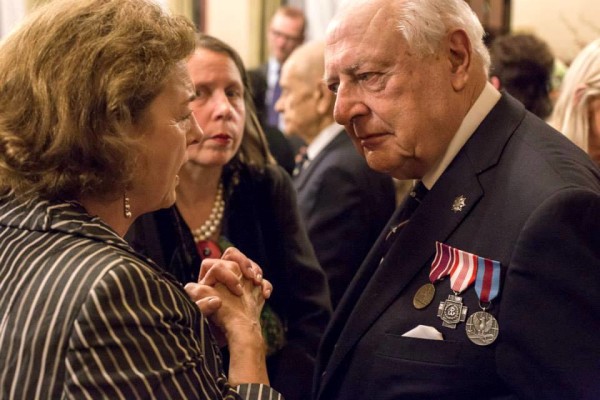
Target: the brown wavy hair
pixel 72 78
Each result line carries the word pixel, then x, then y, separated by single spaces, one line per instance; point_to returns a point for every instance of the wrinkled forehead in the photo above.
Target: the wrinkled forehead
pixel 360 31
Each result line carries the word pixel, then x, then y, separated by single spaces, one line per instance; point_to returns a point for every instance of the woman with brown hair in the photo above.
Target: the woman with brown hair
pixel 95 121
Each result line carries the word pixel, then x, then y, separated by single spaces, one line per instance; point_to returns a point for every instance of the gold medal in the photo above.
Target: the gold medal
pixel 424 296
pixel 482 328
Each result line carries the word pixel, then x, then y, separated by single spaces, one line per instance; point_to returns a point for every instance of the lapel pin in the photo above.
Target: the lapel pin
pixel 459 203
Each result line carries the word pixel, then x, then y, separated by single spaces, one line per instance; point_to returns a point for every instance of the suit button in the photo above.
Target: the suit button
pixel 324 374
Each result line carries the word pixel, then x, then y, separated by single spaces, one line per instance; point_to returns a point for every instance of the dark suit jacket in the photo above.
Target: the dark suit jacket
pixel 261 219
pixel 533 204
pixel 281 147
pixel 345 205
pixel 258 83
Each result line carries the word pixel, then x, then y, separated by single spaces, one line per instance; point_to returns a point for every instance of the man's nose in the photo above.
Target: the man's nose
pixel 348 105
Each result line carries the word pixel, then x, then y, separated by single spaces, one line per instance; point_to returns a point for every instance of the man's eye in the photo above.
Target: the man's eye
pixel 234 93
pixel 333 87
pixel 185 117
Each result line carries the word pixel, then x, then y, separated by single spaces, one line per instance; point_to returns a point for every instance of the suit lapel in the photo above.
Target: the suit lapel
pixel 304 175
pixel 376 286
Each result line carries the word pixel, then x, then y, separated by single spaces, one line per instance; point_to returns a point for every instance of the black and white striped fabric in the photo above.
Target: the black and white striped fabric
pixel 84 316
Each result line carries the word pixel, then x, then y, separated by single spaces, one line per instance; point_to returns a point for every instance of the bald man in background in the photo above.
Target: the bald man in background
pixel 344 203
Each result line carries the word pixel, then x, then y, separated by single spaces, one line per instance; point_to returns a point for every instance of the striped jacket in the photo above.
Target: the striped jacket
pixel 82 315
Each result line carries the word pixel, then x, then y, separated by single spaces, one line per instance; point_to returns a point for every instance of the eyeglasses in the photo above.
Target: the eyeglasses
pixel 281 35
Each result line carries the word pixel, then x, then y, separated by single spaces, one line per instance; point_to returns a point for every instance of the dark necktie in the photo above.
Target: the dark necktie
pixel 410 204
pixel 301 160
pixel 273 116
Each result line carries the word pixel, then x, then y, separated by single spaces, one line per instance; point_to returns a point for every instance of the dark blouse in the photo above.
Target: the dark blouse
pixel 261 219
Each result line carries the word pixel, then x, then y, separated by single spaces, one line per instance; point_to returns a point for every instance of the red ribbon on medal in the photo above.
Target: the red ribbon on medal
pixel 464 270
pixel 442 263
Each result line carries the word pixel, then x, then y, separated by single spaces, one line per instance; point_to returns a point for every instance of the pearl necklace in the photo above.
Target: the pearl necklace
pixel 210 226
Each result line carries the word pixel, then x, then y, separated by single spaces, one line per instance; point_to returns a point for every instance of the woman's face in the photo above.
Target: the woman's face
pixel 166 129
pixel 594 139
pixel 219 107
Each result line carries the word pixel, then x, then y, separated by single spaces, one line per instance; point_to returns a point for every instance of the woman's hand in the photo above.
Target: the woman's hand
pixel 236 322
pixel 234 261
pixel 227 270
pixel 210 299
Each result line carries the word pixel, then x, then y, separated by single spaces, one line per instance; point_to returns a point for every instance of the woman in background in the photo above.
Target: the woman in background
pixel 577 110
pixel 231 192
pixel 95 120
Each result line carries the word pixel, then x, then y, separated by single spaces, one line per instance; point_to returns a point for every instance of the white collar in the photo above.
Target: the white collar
pixel 481 108
pixel 322 140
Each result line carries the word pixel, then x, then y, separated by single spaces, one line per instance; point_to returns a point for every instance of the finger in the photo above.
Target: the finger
pixel 258 274
pixel 225 272
pixel 249 269
pixel 267 289
pixel 205 266
pixel 209 305
pixel 197 291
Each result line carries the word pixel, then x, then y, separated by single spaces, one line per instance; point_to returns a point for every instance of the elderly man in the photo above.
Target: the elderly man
pixel 344 203
pixel 490 289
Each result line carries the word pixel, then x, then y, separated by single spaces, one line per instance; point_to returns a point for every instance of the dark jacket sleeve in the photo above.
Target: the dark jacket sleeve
pixel 552 349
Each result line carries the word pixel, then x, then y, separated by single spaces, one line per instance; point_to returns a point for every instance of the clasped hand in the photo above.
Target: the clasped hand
pixel 231 293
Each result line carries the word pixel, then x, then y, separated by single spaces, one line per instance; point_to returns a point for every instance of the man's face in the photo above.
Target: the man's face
pixel 298 102
pixel 398 108
pixel 285 34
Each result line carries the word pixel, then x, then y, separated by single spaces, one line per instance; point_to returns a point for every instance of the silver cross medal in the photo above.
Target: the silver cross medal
pixel 452 311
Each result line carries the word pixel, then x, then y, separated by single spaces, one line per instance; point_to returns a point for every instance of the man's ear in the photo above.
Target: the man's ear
pixel 495 81
pixel 325 99
pixel 460 51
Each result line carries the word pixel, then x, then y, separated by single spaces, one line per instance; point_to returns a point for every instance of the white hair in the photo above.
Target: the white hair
pixel 424 23
pixel 580 85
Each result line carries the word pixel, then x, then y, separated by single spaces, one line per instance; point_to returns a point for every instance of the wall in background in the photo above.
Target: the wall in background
pixel 567 26
pixel 11 13
pixel 229 20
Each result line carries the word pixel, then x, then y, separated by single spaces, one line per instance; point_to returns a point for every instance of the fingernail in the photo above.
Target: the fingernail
pixel 239 288
pixel 259 277
pixel 268 292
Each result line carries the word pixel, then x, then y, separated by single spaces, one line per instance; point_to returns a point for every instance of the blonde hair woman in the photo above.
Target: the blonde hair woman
pixel 577 110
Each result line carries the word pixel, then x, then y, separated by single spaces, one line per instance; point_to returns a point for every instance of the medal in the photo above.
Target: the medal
pixel 463 269
pixel 424 296
pixel 482 328
pixel 440 267
pixel 452 311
